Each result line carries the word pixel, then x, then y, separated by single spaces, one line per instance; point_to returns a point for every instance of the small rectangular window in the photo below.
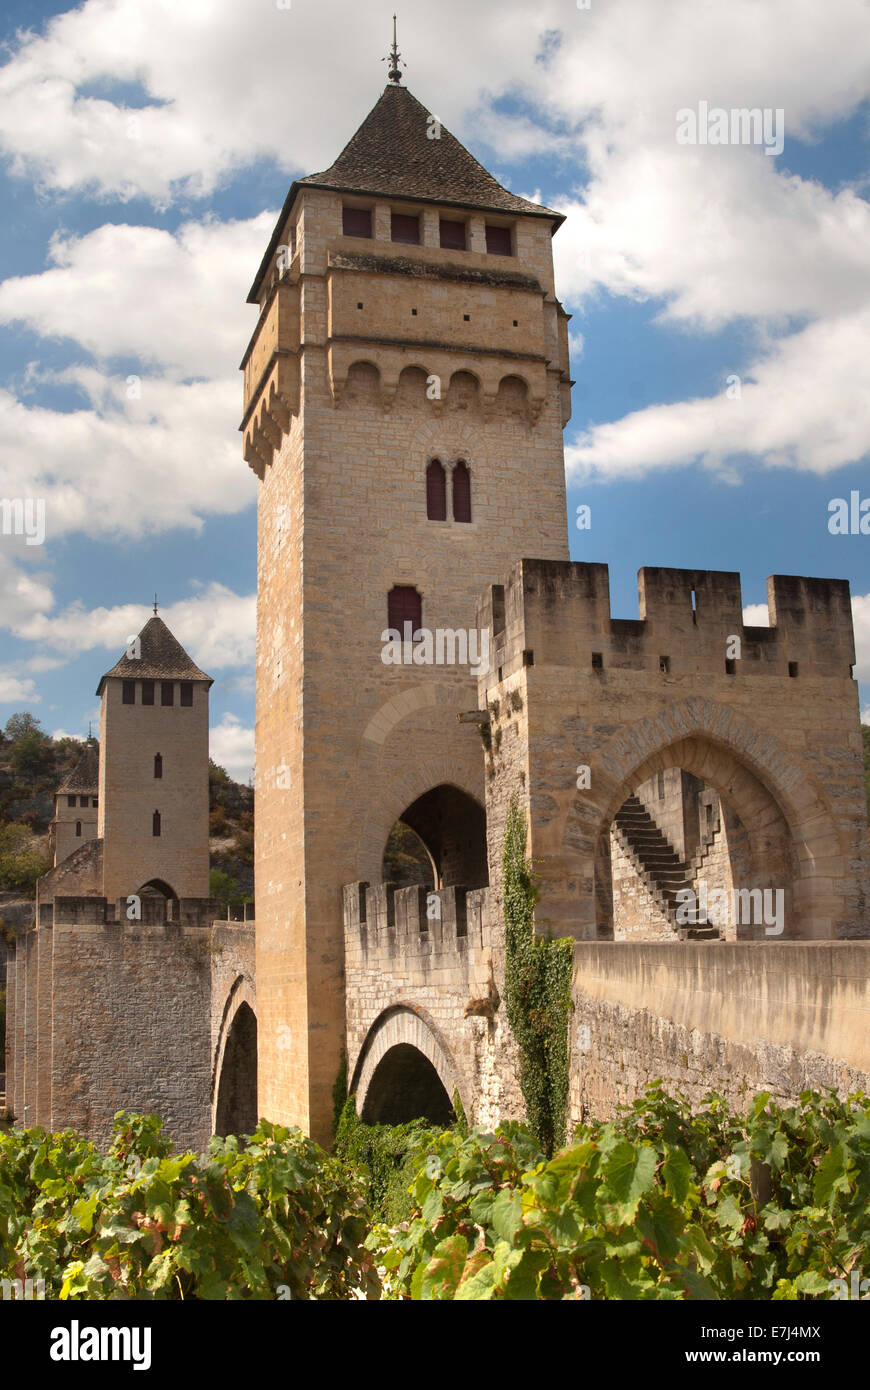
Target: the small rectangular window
pixel 148 692
pixel 167 692
pixel 78 827
pixel 70 801
pixel 528 658
pixel 792 668
pixel 404 228
pixel 83 800
pixel 498 240
pixel 730 666
pixel 94 802
pixel 129 693
pixel 186 694
pixel 597 661
pixel 356 222
pixel 452 235
pixel 664 664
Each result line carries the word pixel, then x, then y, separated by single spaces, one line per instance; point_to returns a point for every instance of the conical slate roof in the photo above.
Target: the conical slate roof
pixel 393 156
pixel 85 776
pixel 161 657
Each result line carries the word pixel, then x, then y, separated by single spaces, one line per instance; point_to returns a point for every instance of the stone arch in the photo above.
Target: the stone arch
pixel 784 811
pixel 463 393
pixel 402 1049
pixel 362 385
pixel 234 1069
pixel 157 888
pixel 411 388
pixel 452 827
pixel 513 394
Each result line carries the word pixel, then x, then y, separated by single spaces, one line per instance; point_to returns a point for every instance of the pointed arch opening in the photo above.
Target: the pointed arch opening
pixel 236 1111
pixel 450 826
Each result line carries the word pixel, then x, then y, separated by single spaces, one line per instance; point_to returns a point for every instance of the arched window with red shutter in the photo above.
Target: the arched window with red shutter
pixel 436 491
pixel 461 493
pixel 404 605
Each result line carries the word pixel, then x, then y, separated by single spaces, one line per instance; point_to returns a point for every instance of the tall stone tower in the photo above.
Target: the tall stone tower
pixel 76 806
pixel 153 793
pixel 405 392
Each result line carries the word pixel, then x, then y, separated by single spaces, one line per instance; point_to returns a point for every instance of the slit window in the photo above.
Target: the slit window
pixel 128 695
pixel 158 765
pixel 498 240
pixel 148 692
pixel 436 491
pixel 155 825
pixel 404 228
pixel 461 492
pixel 404 605
pixel 452 235
pixel 792 668
pixel 356 221
pixel 730 666
pixel 167 692
pixel 78 827
pixel 186 694
pixel 664 664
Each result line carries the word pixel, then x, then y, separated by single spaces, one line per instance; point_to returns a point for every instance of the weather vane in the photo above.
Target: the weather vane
pixel 394 59
pixel 155 604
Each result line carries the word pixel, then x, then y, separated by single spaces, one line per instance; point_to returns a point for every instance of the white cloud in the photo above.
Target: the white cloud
pixel 231 746
pixel 756 615
pixel 172 300
pixel 15 691
pixel 216 627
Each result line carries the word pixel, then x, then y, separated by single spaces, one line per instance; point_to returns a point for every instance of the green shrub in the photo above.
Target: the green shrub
pixel 388 1156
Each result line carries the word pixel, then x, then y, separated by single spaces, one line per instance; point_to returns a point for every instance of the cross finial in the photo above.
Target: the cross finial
pixel 394 59
pixel 155 605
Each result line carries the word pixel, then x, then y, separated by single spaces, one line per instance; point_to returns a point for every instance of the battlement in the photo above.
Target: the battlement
pixel 148 911
pixel 558 612
pixel 383 919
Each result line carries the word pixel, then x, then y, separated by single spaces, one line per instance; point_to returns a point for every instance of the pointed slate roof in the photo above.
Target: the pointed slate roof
pixel 85 776
pixel 161 657
pixel 392 156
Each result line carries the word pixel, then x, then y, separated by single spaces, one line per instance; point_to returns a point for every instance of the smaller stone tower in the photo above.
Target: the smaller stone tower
pixel 153 791
pixel 75 806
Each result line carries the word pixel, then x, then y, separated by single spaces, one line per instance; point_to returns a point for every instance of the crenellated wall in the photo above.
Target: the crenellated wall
pixel 108 1014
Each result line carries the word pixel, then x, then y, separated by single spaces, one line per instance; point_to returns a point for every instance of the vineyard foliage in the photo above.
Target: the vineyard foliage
pixel 656 1204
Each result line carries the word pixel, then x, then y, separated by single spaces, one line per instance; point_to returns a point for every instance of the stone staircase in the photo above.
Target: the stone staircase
pixel 658 866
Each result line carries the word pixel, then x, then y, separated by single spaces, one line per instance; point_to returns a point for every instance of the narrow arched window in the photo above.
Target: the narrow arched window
pixel 461 493
pixel 78 827
pixel 436 492
pixel 404 605
pixel 158 765
pixel 155 824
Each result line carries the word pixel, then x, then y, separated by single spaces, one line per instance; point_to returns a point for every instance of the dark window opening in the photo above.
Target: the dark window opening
pixel 436 492
pixel 356 221
pixel 95 803
pixel 664 664
pixel 792 668
pixel 186 694
pixel 516 323
pixel 148 692
pixel 158 765
pixel 404 605
pixel 413 313
pixel 155 824
pixel 405 228
pixel 597 661
pixel 498 240
pixel 461 493
pixel 78 827
pixel 70 801
pixel 359 305
pixel 730 666
pixel 528 658
pixel 128 696
pixel 83 800
pixel 167 692
pixel 452 235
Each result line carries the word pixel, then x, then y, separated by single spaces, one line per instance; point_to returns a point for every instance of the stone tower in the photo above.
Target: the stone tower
pixel 405 392
pixel 153 792
pixel 75 806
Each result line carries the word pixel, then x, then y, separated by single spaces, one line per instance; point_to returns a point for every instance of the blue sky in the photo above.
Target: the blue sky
pixel 145 149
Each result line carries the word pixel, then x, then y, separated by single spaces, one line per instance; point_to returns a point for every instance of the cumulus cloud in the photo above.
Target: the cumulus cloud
pixel 231 746
pixel 15 691
pixel 216 626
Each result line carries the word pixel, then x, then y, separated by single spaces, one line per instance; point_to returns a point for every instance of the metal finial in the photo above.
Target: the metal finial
pixel 394 59
pixel 155 605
